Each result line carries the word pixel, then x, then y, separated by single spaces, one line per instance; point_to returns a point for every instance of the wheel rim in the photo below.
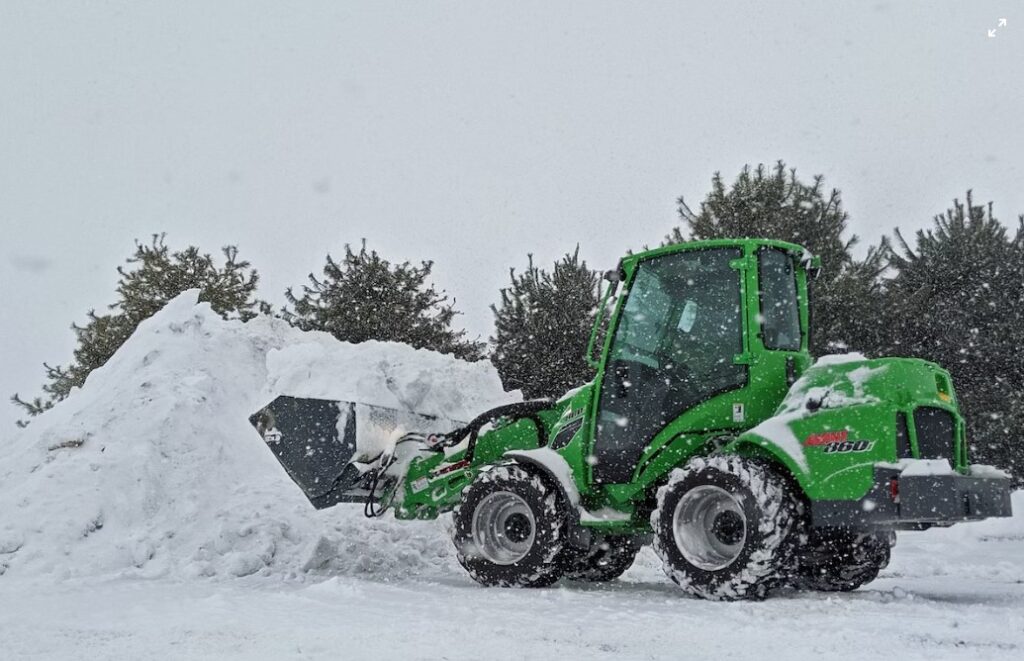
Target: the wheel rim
pixel 503 528
pixel 710 527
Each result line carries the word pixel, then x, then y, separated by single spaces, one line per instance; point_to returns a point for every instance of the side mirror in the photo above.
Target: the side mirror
pixel 613 276
pixel 811 264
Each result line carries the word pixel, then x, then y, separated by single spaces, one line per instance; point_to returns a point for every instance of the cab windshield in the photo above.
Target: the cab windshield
pixel 677 336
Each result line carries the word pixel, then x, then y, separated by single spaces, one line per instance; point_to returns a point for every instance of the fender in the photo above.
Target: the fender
pixel 551 464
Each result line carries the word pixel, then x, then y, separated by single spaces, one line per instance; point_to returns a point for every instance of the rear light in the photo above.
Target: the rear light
pixel 943 389
pixel 894 489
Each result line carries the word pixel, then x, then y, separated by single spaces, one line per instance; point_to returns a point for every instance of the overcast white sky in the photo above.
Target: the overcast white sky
pixel 469 133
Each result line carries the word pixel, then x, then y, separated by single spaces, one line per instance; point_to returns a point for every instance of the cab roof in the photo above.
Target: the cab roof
pixel 745 243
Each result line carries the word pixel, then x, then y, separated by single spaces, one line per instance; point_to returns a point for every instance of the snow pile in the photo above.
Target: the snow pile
pixel 382 373
pixel 926 467
pixel 802 399
pixel 152 468
pixel 839 359
pixel 920 467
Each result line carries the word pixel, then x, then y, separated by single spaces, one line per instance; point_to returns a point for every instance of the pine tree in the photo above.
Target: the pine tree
pixel 156 275
pixel 848 309
pixel 542 327
pixel 153 275
pixel 957 298
pixel 775 204
pixel 365 297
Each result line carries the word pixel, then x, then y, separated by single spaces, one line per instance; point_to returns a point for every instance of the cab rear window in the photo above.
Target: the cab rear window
pixel 780 311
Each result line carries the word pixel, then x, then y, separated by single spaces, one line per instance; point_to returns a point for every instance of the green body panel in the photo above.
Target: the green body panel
pixel 766 415
pixel 434 483
pixel 859 402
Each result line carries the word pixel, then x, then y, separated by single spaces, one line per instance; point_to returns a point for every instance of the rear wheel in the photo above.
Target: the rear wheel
pixel 605 560
pixel 510 528
pixel 726 528
pixel 840 560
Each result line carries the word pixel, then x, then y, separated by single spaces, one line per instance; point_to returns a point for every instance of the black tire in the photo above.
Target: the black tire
pixel 839 560
pixel 510 528
pixel 726 528
pixel 605 560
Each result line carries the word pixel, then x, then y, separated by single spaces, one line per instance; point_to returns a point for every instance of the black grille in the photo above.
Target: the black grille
pixel 935 431
pixel 566 433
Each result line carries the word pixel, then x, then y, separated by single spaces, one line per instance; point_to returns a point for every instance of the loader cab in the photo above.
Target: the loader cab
pixel 691 336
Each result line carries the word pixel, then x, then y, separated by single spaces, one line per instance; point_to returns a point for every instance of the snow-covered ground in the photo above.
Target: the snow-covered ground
pixel 143 518
pixel 954 593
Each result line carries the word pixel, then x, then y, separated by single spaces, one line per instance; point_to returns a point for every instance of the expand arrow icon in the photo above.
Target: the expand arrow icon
pixel 1002 23
pixel 991 33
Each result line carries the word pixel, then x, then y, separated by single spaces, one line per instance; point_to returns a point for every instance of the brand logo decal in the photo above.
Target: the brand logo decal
pixel 443 470
pixel 834 442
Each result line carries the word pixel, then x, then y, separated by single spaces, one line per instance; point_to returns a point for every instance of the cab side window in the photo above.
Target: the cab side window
pixel 780 310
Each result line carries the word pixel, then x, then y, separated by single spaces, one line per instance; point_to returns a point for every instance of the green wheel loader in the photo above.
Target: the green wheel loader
pixel 709 431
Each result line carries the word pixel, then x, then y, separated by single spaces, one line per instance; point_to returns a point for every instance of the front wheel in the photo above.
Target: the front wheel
pixel 510 528
pixel 726 528
pixel 840 560
pixel 605 560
